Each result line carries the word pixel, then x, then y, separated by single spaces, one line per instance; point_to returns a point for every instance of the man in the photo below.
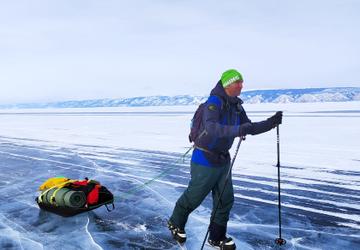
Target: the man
pixel 223 119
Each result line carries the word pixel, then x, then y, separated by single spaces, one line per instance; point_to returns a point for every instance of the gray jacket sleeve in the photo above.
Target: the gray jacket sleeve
pixel 255 128
pixel 212 121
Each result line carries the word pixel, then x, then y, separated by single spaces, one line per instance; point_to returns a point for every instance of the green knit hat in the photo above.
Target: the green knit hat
pixel 230 76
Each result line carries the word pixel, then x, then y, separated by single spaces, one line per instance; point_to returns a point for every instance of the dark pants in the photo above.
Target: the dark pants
pixel 203 180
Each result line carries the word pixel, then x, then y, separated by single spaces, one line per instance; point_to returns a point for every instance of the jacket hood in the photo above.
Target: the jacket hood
pixel 220 91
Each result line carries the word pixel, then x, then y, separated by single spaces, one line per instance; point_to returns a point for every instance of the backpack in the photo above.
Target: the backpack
pixel 196 130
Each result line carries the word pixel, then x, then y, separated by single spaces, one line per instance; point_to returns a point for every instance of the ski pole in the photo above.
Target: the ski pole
pixel 226 180
pixel 279 241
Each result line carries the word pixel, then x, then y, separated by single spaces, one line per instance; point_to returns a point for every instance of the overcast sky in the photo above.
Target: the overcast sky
pixel 82 49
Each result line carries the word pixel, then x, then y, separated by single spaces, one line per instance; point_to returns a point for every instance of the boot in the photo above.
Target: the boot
pixel 218 237
pixel 178 234
pixel 226 244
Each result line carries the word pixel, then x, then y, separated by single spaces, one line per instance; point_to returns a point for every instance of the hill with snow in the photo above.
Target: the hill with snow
pixel 340 94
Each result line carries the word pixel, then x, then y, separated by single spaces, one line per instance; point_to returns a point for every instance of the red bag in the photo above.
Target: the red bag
pixel 93 196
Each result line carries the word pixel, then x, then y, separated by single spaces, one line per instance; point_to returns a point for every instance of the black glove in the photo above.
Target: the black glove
pixel 276 119
pixel 245 129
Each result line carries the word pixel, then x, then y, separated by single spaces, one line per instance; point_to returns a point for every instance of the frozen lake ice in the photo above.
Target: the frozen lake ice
pixel 124 148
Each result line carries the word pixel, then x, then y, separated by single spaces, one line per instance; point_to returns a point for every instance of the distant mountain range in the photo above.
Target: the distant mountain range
pixel 342 94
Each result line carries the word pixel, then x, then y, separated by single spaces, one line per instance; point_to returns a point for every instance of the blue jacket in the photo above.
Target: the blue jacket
pixel 222 117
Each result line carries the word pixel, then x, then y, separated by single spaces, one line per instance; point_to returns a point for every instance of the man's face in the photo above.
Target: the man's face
pixel 234 89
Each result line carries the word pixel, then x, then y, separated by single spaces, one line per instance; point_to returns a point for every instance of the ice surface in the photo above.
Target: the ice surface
pixel 320 160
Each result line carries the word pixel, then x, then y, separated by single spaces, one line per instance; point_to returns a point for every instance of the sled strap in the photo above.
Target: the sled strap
pixel 109 210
